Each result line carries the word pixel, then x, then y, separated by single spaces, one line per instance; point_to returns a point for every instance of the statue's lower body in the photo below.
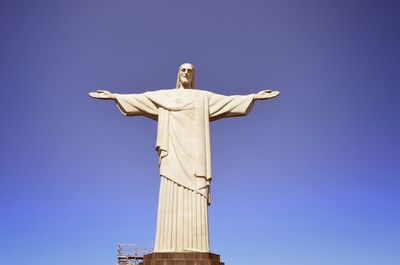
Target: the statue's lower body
pixel 182 220
pixel 182 228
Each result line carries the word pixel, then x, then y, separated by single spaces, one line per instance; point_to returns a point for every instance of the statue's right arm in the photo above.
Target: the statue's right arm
pixel 130 104
pixel 102 94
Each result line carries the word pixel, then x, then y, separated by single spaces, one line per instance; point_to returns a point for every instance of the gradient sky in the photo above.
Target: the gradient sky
pixel 313 176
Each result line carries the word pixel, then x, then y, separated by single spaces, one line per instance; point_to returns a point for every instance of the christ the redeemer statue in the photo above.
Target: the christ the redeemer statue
pixel 183 145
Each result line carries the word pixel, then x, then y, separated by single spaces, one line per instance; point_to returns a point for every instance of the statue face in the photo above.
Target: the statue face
pixel 186 75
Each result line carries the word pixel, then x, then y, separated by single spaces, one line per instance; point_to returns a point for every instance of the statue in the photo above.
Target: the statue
pixel 183 146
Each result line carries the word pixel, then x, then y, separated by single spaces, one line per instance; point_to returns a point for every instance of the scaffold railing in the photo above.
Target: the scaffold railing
pixel 131 254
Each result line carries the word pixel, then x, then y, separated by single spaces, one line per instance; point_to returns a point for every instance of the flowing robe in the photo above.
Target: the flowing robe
pixel 183 146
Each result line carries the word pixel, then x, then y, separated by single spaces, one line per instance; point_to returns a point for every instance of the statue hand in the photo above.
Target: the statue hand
pixel 102 94
pixel 266 94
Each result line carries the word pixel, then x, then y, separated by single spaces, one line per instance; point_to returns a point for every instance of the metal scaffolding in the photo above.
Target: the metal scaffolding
pixel 130 254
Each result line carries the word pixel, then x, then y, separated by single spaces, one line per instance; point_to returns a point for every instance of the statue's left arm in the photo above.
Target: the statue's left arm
pixel 221 106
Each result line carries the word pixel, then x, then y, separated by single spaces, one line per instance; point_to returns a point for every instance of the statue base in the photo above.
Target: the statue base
pixel 182 258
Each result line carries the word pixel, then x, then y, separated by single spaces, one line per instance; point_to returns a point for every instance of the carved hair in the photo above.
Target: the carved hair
pixel 193 84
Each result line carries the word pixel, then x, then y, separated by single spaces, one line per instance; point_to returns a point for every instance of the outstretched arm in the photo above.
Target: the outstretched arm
pixel 266 94
pixel 131 104
pixel 102 94
pixel 221 106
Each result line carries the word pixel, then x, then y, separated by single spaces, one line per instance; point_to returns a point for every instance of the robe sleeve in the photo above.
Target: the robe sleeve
pixel 138 105
pixel 221 106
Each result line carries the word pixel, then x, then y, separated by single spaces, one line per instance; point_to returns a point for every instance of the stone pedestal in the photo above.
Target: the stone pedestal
pixel 182 258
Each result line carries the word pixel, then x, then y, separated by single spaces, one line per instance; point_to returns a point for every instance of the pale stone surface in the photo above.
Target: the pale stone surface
pixel 183 145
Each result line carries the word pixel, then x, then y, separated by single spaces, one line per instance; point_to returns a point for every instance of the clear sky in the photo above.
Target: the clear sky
pixel 313 176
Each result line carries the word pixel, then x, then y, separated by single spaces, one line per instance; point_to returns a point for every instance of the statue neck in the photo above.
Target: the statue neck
pixel 185 86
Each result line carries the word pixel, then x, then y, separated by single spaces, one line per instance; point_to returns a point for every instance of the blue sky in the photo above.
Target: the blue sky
pixel 313 177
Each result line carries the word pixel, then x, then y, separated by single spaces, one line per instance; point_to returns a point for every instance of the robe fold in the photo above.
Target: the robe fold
pixel 183 146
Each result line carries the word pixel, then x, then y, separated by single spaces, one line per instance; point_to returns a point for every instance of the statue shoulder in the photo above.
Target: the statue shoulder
pixel 203 92
pixel 158 92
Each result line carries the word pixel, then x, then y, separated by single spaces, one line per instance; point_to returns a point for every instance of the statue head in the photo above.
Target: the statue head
pixel 186 76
